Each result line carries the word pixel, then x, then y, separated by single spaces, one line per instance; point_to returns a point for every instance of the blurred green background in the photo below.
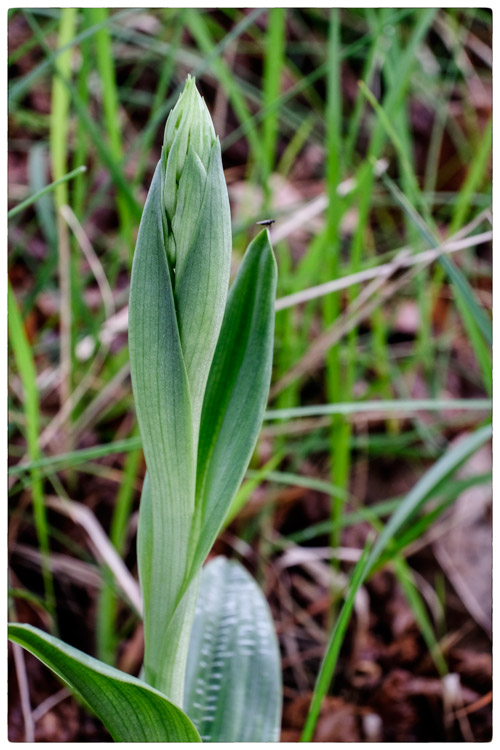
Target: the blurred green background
pixel 366 135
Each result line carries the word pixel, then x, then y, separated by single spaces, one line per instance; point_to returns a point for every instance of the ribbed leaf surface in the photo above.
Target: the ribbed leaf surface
pixel 131 710
pixel 237 390
pixel 233 679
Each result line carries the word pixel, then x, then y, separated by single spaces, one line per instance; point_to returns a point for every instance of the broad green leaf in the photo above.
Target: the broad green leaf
pixel 237 391
pixel 233 679
pixel 131 710
pixel 162 401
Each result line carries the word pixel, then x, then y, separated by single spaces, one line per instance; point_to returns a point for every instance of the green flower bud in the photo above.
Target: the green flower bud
pixel 188 140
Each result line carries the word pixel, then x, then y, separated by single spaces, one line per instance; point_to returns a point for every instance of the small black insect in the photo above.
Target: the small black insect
pixel 266 222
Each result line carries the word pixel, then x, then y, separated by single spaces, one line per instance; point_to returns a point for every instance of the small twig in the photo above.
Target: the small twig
pixel 453 699
pixel 316 206
pixel 476 706
pixel 102 401
pixel 22 680
pixel 76 571
pixel 345 282
pixel 49 703
pixel 24 693
pixel 118 323
pixel 92 259
pixel 351 318
pixel 298 555
pixel 101 546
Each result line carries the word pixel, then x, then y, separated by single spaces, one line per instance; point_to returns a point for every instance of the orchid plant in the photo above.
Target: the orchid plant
pixel 201 363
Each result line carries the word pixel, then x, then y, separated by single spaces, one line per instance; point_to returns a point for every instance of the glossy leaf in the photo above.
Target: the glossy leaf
pixel 233 679
pixel 237 391
pixel 131 710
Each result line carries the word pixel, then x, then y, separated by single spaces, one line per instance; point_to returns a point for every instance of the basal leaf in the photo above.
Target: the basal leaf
pixel 131 710
pixel 237 391
pixel 233 679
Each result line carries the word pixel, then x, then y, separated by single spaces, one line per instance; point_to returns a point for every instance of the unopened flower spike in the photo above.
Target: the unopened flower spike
pixel 189 136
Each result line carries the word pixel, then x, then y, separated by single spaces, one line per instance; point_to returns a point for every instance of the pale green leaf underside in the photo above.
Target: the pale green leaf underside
pixel 130 709
pixel 237 390
pixel 233 678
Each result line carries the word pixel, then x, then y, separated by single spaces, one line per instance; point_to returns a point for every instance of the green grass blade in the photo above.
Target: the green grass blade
pixel 407 582
pixel 393 98
pixel 473 181
pixel 338 384
pixel 464 294
pixel 447 464
pixel 21 86
pixel 38 164
pixel 50 464
pixel 59 115
pixel 233 655
pixel 48 189
pixel 255 478
pixel 371 60
pixel 131 710
pixel 384 508
pixel 416 530
pixel 110 103
pixel 90 127
pixel 330 658
pixel 81 151
pixel 58 140
pixel 27 372
pixel 199 29
pixel 389 406
pixel 271 84
pixel 106 637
